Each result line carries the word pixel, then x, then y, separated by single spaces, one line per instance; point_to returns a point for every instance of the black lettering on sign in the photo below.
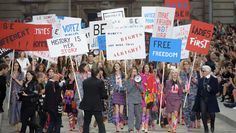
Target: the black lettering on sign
pixel 201 32
pixel 8 26
pixel 99 29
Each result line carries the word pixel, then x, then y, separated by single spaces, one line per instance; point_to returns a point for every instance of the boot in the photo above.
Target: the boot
pixel 223 98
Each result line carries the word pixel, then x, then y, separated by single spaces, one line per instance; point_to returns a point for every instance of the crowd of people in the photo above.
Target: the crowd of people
pixel 42 92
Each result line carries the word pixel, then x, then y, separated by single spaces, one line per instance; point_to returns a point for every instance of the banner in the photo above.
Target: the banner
pixel 48 19
pixel 164 22
pixel 44 55
pixel 101 42
pixel 182 8
pixel 199 37
pixel 181 32
pixel 96 28
pixel 128 42
pixel 70 26
pixel 165 50
pixel 66 46
pixel 42 32
pixel 149 14
pixel 16 36
pixel 4 52
pixel 113 14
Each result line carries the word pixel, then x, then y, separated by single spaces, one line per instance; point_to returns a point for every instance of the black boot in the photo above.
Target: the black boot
pixel 223 98
pixel 212 129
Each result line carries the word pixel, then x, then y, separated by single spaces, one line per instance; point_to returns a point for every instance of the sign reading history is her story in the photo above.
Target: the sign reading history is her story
pixel 164 22
pixel 66 46
pixel 165 50
pixel 181 32
pixel 182 8
pixel 199 37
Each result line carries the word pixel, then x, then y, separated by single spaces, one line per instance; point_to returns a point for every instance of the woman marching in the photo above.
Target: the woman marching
pixel 15 104
pixel 134 90
pixel 29 96
pixel 173 95
pixel 148 96
pixel 70 105
pixel 191 93
pixel 117 85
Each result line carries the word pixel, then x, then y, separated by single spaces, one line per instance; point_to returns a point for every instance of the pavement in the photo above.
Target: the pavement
pixel 225 123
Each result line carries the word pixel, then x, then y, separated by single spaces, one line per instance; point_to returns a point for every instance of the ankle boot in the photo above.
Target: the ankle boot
pixel 223 98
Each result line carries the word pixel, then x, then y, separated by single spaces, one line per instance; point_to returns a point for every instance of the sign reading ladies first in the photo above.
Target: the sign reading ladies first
pixel 165 50
pixel 199 37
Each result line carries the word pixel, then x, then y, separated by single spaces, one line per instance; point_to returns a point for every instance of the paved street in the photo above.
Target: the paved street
pixel 221 127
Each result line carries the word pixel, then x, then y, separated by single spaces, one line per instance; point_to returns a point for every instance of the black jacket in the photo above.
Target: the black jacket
pixel 52 96
pixel 209 96
pixel 94 92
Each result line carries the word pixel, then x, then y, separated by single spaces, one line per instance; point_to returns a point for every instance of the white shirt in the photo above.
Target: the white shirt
pixel 24 64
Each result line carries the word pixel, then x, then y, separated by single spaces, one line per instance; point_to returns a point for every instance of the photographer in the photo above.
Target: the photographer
pixel 206 101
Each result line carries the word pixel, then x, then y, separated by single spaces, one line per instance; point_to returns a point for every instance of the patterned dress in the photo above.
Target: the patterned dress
pixel 15 105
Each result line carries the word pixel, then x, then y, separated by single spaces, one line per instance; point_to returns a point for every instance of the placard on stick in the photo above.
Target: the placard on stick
pixel 182 8
pixel 199 37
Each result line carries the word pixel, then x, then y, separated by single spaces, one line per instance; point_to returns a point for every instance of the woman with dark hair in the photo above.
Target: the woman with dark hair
pixel 117 86
pixel 134 90
pixel 83 74
pixel 15 104
pixel 40 68
pixel 149 94
pixel 29 96
pixel 61 63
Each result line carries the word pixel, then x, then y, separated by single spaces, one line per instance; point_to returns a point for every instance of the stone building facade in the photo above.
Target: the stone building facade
pixel 223 10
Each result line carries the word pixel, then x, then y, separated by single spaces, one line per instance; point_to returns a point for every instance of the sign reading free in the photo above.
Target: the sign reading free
pixel 165 50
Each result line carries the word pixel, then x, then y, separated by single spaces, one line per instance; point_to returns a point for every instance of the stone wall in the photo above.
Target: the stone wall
pixel 223 10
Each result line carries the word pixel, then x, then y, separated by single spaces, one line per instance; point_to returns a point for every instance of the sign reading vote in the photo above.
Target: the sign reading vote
pixel 101 42
pixel 165 50
pixel 15 35
pixel 199 37
pixel 149 14
pixel 70 26
pixel 66 46
pixel 182 8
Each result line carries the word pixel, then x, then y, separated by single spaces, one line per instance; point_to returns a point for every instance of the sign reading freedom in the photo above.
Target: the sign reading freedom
pixel 16 36
pixel 165 50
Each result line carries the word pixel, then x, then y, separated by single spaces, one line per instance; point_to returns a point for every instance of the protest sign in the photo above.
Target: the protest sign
pixel 113 14
pixel 42 32
pixel 16 36
pixel 149 13
pixel 147 41
pixel 48 19
pixel 128 42
pixel 182 8
pixel 101 42
pixel 44 55
pixel 86 33
pixel 70 26
pixel 164 21
pixel 165 50
pixel 4 52
pixel 66 46
pixel 199 37
pixel 96 28
pixel 181 32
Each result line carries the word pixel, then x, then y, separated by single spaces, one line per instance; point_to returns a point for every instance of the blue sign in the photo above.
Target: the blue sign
pixel 165 50
pixel 101 42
